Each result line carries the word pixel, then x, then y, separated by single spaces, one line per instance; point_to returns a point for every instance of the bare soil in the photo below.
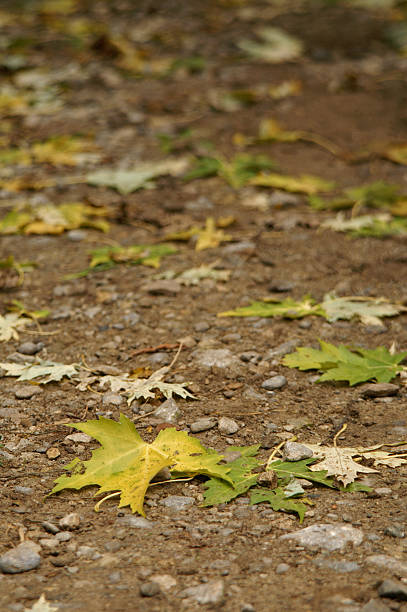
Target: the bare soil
pixel 354 92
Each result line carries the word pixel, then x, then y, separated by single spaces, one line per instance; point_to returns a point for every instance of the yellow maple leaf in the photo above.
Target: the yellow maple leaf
pixel 127 464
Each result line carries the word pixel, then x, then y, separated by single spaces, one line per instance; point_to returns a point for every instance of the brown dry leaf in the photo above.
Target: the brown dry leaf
pixel 397 154
pixel 210 237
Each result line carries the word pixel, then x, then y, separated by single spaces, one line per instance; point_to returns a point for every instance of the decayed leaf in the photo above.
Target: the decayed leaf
pixel 12 272
pixel 340 363
pixel 51 219
pixel 9 324
pixel 303 184
pixel 278 500
pixel 42 605
pixel 288 308
pixel 52 371
pixel 368 225
pixel 379 194
pixel 193 276
pixel 127 181
pixel 143 387
pixel 369 310
pixel 106 258
pixel 219 491
pixel 397 154
pixel 276 46
pixel 127 464
pixel 285 89
pixel 61 150
pixel 208 237
pixel 339 462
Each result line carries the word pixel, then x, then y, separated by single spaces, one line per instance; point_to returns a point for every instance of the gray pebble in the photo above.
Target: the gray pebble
pixel 177 502
pixel 78 437
pixel 282 568
pixel 131 319
pixel 292 451
pixel 50 527
pixel 168 412
pixel 115 577
pixel 211 593
pixel 160 359
pixel 396 531
pixel 305 324
pixel 283 349
pixel 30 348
pixel 227 426
pixel 136 522
pixel 22 558
pixel 275 382
pixel 393 589
pixel 111 398
pixel 162 287
pixel 63 536
pixel 27 391
pixel 246 607
pixel 201 326
pixel 70 521
pixel 23 490
pixel 149 589
pixel 326 536
pixel 202 424
pixel 341 567
pixel 250 357
pixel 76 235
pixel 396 566
pixel 220 358
pixel 50 543
pixel 379 390
pixel 375 605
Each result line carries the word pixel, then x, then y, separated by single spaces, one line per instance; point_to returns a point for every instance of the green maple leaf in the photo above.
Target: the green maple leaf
pixel 288 308
pixel 299 469
pixel 127 464
pixel 340 363
pixel 278 501
pixel 236 172
pixel 219 491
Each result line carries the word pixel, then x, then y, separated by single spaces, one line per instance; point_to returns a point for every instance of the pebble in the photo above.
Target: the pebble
pixel 49 543
pixel 111 398
pixel 131 318
pixel 168 412
pixel 23 490
pixel 341 567
pixel 63 536
pixel 177 502
pixel 202 424
pixel 246 607
pixel 165 581
pixel 375 605
pixel 275 382
pixel 326 536
pixel 162 287
pixel 136 522
pixel 283 349
pixel 201 326
pixel 79 437
pixel 396 531
pixel 50 527
pixel 292 451
pixel 76 235
pixel 19 358
pixel 227 426
pixel 250 357
pixel 282 568
pixel 30 348
pixel 70 521
pixel 393 589
pixel 379 390
pixel 396 566
pixel 22 558
pixel 220 358
pixel 27 391
pixel 210 593
pixel 149 589
pixel 88 552
pixel 159 358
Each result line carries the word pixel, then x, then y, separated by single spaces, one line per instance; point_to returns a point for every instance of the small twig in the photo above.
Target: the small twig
pixel 342 429
pixel 152 484
pixel 154 349
pixel 176 356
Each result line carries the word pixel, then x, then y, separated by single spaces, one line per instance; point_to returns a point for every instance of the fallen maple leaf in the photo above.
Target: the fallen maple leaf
pixel 143 387
pixel 276 46
pixel 340 363
pixel 288 308
pixel 51 370
pixel 303 184
pixel 338 462
pixel 208 237
pixel 42 605
pixel 369 310
pixel 127 464
pixel 9 324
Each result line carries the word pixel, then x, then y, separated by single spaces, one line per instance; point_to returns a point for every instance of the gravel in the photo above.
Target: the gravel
pixel 70 521
pixel 326 537
pixel 168 412
pixel 211 593
pixel 275 382
pixel 227 426
pixel 292 451
pixel 393 589
pixel 202 424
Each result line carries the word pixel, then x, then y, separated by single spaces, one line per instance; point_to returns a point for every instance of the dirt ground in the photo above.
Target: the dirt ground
pixel 353 92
